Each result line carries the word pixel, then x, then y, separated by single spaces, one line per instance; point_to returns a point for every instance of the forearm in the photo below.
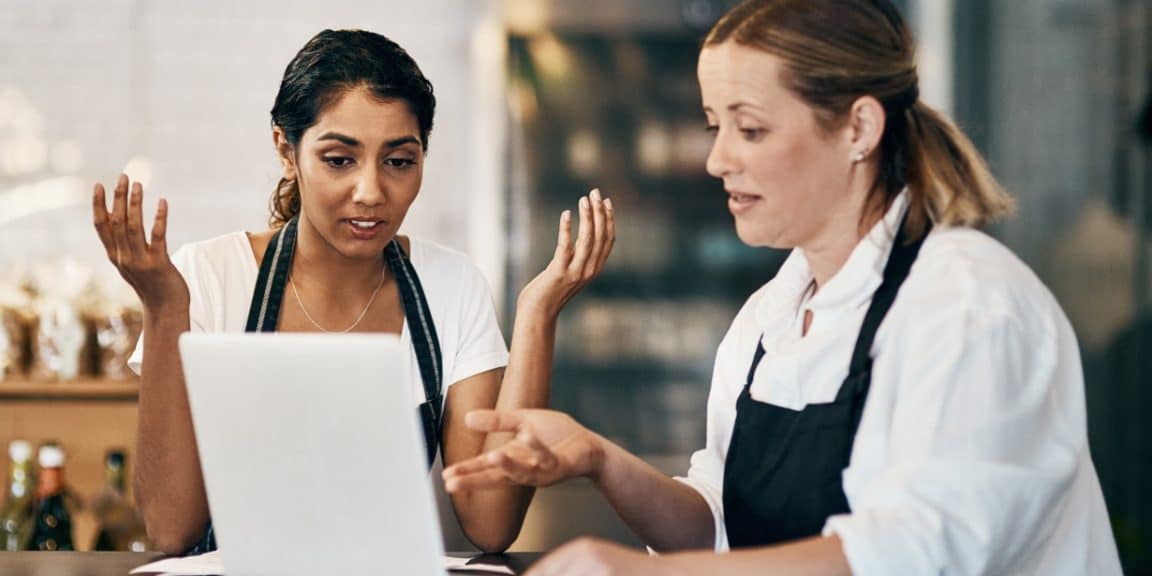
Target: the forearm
pixel 492 518
pixel 168 481
pixel 527 379
pixel 809 557
pixel 665 513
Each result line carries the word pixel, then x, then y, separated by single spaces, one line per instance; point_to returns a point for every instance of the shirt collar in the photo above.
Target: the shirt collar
pixel 852 286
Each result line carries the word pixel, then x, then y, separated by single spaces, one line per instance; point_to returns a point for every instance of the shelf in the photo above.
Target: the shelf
pixel 87 389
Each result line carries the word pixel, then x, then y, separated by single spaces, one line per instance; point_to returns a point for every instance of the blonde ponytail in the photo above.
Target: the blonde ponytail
pixel 949 182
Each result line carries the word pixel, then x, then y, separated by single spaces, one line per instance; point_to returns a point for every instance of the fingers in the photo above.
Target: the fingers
pixel 524 461
pixel 159 238
pixel 583 237
pixel 493 421
pixel 134 222
pixel 471 466
pixel 101 221
pixel 609 238
pixel 481 479
pixel 597 244
pixel 563 255
pixel 117 218
pixel 596 237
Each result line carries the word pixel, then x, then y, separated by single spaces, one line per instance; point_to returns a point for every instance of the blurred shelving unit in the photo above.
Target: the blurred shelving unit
pixel 87 417
pixel 606 96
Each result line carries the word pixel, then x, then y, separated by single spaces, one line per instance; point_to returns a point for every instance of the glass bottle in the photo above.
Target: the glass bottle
pixel 121 526
pixel 16 515
pixel 53 520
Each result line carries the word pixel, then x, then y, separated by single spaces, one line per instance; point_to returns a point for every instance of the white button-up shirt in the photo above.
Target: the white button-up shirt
pixel 972 453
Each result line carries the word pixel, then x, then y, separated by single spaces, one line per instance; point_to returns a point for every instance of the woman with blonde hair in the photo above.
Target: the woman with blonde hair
pixel 904 397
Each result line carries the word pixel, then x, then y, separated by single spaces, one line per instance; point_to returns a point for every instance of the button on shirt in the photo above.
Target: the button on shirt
pixel 972 454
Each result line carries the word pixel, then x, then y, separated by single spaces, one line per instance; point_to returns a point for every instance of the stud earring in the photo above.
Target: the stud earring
pixel 859 157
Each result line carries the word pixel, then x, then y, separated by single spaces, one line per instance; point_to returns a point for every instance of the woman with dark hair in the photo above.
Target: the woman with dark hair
pixel 904 397
pixel 351 125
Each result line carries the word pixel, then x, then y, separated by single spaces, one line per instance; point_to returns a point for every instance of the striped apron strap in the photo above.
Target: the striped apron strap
pixel 424 342
pixel 264 312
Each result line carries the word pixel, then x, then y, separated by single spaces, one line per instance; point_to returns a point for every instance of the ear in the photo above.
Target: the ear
pixel 285 152
pixel 866 122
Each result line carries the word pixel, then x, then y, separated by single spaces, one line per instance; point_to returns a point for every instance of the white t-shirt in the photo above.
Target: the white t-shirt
pixel 972 454
pixel 221 275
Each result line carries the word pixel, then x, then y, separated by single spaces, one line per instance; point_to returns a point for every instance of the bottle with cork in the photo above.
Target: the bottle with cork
pixel 52 527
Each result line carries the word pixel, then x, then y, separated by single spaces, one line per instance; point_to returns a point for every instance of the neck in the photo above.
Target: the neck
pixel 316 263
pixel 829 250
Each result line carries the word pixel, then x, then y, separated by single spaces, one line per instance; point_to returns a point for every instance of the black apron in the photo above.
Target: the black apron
pixel 264 316
pixel 782 474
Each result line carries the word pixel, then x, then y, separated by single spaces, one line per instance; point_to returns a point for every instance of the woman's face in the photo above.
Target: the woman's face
pixel 359 167
pixel 786 178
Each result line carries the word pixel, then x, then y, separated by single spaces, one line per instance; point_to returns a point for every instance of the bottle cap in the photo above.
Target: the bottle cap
pixel 20 451
pixel 51 456
pixel 114 457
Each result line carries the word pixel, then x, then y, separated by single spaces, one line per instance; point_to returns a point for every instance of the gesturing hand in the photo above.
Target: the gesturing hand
pixel 548 447
pixel 573 266
pixel 145 265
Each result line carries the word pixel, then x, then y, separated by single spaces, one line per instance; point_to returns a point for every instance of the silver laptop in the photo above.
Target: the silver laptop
pixel 312 455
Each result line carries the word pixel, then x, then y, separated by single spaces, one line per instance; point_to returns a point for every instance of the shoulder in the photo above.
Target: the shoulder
pixel 437 263
pixel 220 253
pixel 965 273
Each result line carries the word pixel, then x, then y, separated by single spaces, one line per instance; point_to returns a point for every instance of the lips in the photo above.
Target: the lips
pixel 740 202
pixel 364 224
pixel 364 228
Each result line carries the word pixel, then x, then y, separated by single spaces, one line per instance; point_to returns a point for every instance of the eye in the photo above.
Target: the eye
pixel 752 134
pixel 338 161
pixel 399 162
pixel 712 129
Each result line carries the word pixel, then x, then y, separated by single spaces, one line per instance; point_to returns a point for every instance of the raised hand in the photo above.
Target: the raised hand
pixel 548 447
pixel 143 263
pixel 573 266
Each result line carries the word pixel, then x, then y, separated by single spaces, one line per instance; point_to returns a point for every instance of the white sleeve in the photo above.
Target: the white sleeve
pixel 481 345
pixel 983 442
pixel 199 300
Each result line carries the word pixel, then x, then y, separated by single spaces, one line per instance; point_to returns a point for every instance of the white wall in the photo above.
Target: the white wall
pixel 188 86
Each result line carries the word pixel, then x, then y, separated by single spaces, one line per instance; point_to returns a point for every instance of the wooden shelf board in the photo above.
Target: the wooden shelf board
pixel 83 389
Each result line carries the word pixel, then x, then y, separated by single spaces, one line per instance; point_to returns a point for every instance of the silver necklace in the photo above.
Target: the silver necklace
pixel 363 313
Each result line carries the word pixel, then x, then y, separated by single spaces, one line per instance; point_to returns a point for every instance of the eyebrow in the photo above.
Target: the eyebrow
pixel 350 141
pixel 735 107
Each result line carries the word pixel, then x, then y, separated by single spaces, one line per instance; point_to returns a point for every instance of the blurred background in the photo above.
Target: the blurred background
pixel 539 101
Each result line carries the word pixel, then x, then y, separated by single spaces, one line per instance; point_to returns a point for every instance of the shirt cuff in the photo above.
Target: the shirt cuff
pixel 715 502
pixel 477 365
pixel 883 542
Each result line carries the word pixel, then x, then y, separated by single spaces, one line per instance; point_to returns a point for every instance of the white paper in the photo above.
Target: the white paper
pixel 209 565
pixel 203 564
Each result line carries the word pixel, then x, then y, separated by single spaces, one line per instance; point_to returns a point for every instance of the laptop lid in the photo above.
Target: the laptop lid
pixel 311 453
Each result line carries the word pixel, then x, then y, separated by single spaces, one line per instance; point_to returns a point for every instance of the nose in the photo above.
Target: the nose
pixel 370 189
pixel 721 162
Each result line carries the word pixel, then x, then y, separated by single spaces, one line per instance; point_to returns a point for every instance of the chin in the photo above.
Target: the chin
pixel 759 237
